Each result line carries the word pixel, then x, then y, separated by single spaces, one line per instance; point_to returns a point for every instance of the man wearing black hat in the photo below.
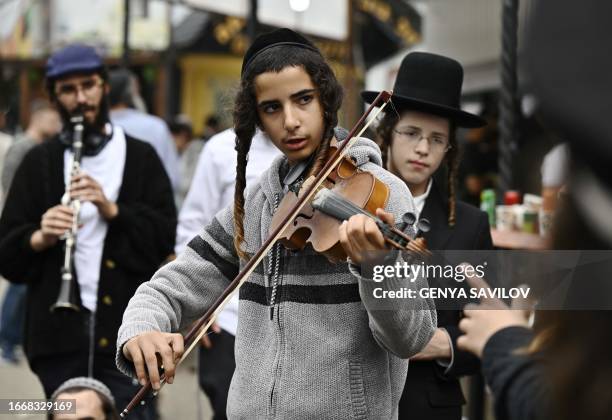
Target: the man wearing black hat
pixel 126 225
pixel 426 95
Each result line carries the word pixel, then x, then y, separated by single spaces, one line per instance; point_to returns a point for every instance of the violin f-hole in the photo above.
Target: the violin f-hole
pixel 301 216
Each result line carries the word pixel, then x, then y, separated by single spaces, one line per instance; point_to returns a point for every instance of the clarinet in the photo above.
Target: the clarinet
pixel 66 300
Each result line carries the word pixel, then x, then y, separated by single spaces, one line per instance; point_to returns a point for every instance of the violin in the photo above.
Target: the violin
pixel 345 192
pixel 293 224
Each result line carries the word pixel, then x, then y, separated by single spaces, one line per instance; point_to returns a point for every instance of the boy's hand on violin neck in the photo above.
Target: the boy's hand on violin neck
pixel 360 234
pixel 147 350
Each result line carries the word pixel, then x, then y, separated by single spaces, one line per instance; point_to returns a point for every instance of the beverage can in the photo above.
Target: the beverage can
pixel 487 204
pixel 530 221
pixel 512 197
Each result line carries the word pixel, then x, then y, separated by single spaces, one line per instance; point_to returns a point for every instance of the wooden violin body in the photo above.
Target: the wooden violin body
pixel 320 229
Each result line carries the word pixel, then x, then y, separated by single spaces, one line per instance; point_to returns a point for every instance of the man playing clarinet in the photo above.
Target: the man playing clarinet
pixel 125 226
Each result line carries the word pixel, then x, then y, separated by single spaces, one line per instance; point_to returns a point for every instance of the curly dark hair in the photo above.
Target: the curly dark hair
pixel 384 132
pixel 246 119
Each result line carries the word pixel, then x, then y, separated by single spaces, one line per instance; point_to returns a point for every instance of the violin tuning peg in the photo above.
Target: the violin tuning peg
pixel 409 218
pixel 423 225
pixel 407 223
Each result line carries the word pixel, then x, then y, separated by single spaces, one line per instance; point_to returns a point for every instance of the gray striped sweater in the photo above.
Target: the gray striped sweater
pixel 329 351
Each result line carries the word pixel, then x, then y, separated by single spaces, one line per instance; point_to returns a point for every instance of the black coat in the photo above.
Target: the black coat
pixel 516 379
pixel 429 393
pixel 137 242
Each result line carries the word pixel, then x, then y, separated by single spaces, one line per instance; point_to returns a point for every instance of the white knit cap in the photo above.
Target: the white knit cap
pixel 84 382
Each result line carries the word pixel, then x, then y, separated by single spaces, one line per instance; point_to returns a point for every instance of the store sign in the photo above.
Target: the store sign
pixel 322 18
pixel 100 22
pixel 401 18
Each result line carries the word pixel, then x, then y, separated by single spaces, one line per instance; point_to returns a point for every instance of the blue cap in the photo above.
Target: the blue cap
pixel 73 59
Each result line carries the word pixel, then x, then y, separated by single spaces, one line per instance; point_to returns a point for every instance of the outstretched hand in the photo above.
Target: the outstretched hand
pixel 483 320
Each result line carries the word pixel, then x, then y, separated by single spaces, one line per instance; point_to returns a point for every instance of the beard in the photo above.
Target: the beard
pixel 96 134
pixel 97 127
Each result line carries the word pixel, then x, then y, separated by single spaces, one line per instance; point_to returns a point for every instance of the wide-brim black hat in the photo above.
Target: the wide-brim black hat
pixel 430 83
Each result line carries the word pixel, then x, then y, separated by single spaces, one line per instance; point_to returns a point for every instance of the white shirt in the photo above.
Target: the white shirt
pixel 188 161
pixel 212 189
pixel 5 144
pixel 419 202
pixel 107 169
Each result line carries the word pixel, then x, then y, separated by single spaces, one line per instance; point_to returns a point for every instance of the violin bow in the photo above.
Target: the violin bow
pixel 202 325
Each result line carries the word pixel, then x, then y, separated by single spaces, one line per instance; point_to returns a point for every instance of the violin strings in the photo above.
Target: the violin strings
pixel 345 208
pixel 332 203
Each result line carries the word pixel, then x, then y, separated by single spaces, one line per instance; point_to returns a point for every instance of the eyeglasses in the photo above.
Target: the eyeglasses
pixel 87 86
pixel 413 137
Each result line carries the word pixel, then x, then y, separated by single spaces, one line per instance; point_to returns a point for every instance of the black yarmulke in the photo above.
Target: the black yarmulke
pixel 283 36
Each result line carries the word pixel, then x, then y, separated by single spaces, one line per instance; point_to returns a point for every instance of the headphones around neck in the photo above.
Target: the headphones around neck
pixel 93 140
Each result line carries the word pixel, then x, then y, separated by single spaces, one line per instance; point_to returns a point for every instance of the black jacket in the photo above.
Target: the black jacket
pixel 429 393
pixel 516 378
pixel 137 242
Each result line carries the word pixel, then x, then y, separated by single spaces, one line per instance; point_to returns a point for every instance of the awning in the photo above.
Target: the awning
pixel 381 28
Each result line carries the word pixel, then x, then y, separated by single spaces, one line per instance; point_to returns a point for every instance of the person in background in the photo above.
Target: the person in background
pixel 189 151
pixel 478 165
pixel 563 369
pixel 127 222
pixel 212 190
pixel 44 123
pixel 93 400
pixel 182 132
pixel 211 127
pixel 416 144
pixel 140 125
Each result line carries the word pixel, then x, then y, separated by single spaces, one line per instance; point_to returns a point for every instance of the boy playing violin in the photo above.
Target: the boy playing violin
pixel 310 341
